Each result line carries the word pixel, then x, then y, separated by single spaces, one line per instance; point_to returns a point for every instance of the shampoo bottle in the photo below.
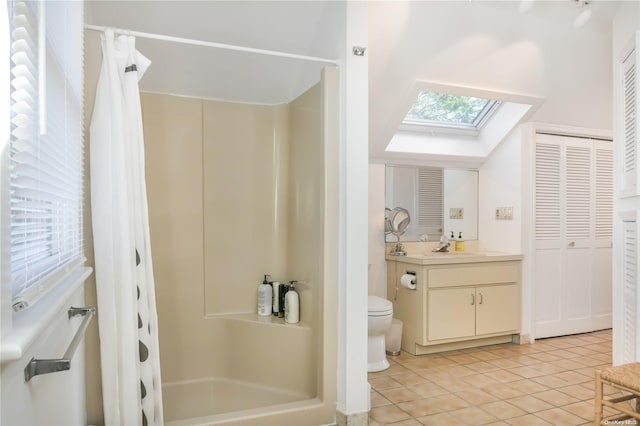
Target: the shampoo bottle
pixel 264 298
pixel 292 305
pixel 276 297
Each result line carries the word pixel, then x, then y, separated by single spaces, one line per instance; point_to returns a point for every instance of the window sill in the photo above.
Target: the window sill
pixel 30 323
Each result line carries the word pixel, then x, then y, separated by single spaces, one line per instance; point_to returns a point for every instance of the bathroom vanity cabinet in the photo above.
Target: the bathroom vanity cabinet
pixel 459 301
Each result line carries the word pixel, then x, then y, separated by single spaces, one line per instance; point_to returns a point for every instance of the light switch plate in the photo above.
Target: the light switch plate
pixel 504 213
pixel 456 213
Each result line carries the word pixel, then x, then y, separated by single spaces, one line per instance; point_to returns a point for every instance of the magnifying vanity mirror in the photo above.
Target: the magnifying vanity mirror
pixel 439 201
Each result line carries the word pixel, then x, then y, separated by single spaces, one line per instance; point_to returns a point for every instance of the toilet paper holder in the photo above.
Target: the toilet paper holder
pixel 409 280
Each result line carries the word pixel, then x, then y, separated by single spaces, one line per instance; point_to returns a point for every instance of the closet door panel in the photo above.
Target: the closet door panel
pixel 577 286
pixel 602 294
pixel 573 230
pixel 548 295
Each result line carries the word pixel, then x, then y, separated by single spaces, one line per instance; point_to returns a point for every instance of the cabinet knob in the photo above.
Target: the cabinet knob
pixel 572 244
pixel 473 299
pixel 480 301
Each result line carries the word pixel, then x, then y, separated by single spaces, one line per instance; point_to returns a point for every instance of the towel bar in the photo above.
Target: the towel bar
pixel 36 367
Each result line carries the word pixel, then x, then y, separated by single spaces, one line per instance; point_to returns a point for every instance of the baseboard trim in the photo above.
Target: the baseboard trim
pixel 353 419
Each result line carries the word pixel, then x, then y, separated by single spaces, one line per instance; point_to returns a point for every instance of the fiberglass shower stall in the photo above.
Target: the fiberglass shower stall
pixel 237 190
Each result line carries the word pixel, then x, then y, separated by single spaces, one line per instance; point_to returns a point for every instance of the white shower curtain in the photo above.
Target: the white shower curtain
pixel 128 324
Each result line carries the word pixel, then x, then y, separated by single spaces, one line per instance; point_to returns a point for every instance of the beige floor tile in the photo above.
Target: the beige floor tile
pixel 434 405
pixel 378 400
pixel 548 382
pixel 388 414
pixel 408 378
pixel 396 369
pixel 422 407
pixel 480 380
pixel 487 356
pixel 558 416
pixel 551 381
pixel 504 363
pixel 503 391
pixel 460 371
pixel 583 409
pixel 429 389
pixel 384 382
pixel 453 384
pixel 528 386
pixel 503 410
pixel 545 357
pixel 463 359
pixel 397 395
pixel 527 372
pixel 476 396
pixel 439 419
pixel 573 378
pixel 578 392
pixel 528 420
pixel 555 397
pixel 588 361
pixel 529 403
pixel 472 416
pixel 408 422
pixel 504 376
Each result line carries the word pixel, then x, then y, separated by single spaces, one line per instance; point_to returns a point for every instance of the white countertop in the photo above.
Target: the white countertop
pixel 453 257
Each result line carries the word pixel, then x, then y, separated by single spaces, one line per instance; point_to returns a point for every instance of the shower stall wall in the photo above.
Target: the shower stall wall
pixel 237 191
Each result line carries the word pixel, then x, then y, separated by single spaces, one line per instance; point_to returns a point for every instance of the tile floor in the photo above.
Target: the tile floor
pixel 550 382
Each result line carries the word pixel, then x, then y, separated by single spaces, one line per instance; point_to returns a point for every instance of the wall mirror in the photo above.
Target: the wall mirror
pixel 439 201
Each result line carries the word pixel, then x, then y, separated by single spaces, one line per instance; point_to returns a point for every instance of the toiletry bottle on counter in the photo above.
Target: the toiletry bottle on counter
pixel 292 305
pixel 460 243
pixel 265 298
pixel 276 297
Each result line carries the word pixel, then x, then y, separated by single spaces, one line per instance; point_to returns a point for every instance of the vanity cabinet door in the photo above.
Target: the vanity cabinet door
pixel 451 313
pixel 497 309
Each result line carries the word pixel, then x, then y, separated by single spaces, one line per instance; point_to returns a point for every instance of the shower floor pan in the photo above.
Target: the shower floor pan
pixel 190 402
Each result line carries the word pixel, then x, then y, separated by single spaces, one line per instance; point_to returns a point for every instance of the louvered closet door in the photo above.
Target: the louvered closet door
pixel 573 217
pixel 629 292
pixel 630 154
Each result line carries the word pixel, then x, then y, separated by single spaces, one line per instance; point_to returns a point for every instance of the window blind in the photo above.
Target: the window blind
pixel 46 170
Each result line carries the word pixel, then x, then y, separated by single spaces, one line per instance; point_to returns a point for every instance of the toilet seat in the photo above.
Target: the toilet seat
pixel 379 307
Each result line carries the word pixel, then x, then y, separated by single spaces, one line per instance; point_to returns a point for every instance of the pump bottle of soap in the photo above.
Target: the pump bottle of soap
pixel 292 305
pixel 460 243
pixel 265 301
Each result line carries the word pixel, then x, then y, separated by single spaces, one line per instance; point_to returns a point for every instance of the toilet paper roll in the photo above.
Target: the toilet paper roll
pixel 408 281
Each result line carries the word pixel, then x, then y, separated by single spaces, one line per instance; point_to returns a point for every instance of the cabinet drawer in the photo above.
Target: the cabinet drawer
pixel 477 274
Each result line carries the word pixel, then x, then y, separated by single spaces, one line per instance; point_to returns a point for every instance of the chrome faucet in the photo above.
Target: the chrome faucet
pixel 444 246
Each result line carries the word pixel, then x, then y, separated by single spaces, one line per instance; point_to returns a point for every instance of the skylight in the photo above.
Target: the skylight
pixel 432 109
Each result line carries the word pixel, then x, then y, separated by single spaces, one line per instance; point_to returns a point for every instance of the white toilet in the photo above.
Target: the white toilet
pixel 379 321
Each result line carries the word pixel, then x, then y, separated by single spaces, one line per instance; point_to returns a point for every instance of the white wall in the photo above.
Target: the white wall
pixel 377 264
pixel 500 185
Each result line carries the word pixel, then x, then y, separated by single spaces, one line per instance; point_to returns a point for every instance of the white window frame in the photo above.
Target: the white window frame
pixel 51 290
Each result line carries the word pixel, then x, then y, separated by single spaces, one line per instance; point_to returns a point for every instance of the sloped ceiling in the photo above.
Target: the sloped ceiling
pixel 298 27
pixel 482 44
pixel 489 45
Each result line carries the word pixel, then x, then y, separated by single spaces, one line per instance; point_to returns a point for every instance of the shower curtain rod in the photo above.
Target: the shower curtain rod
pixel 210 44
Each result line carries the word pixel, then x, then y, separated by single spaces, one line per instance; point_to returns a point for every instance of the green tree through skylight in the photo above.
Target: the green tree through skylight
pixel 447 108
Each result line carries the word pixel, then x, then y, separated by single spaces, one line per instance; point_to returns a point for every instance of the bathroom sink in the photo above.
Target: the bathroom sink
pixel 437 254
